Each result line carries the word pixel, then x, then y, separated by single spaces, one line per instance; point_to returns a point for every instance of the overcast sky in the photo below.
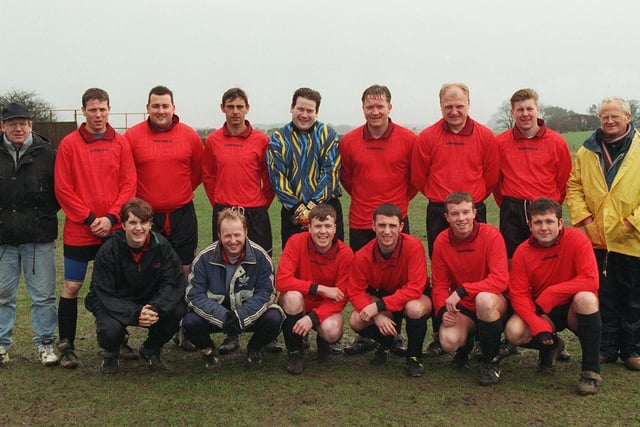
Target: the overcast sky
pixel 573 52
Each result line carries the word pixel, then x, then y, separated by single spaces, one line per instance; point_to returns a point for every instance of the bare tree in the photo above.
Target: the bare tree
pixel 41 110
pixel 501 119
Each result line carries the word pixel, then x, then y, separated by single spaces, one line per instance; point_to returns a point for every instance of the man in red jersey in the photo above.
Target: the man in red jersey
pixel 454 154
pixel 534 162
pixel 469 275
pixel 234 174
pixel 168 156
pixel 376 160
pixel 94 176
pixel 389 276
pixel 553 286
pixel 312 279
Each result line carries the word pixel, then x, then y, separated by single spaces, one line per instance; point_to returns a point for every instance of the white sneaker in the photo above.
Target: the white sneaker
pixel 46 354
pixel 4 356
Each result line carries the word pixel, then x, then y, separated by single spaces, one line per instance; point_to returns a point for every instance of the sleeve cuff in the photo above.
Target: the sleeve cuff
pixel 112 218
pixel 381 306
pixel 90 219
pixel 314 319
pixel 313 289
pixel 461 292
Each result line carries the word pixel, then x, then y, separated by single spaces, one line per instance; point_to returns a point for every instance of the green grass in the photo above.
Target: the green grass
pixel 348 391
pixel 576 139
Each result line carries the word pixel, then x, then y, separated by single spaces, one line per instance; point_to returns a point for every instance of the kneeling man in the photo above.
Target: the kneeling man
pixel 137 281
pixel 388 278
pixel 469 273
pixel 553 286
pixel 312 279
pixel 230 289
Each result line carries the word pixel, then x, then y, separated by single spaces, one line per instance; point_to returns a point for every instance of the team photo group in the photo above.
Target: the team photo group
pixel 128 209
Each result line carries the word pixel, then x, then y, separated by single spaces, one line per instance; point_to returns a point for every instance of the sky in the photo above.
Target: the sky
pixel 573 52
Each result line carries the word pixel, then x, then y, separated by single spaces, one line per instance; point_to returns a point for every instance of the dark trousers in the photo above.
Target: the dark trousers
pixel 288 228
pixel 266 329
pixel 436 222
pixel 513 223
pixel 110 331
pixel 619 295
pixel 258 225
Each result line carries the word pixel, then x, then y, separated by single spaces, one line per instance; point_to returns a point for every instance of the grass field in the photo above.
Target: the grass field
pixel 348 391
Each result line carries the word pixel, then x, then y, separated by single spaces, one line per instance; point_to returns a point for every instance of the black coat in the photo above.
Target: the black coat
pixel 28 204
pixel 123 287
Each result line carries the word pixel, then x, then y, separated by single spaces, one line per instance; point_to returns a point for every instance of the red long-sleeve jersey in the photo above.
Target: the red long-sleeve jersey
pixel 168 164
pixel 92 177
pixel 403 275
pixel 550 276
pixel 234 168
pixel 376 171
pixel 444 162
pixel 533 167
pixel 478 264
pixel 301 266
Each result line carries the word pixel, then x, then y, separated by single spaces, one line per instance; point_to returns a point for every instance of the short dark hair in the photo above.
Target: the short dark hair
pixel 307 93
pixel 377 91
pixel 94 93
pixel 233 93
pixel 456 198
pixel 160 90
pixel 138 208
pixel 387 209
pixel 543 205
pixel 523 95
pixel 322 212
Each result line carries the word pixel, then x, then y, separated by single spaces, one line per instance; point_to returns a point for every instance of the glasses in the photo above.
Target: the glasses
pixel 21 124
pixel 612 118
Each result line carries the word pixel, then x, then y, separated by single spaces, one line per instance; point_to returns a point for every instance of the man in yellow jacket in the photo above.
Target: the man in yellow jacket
pixel 603 194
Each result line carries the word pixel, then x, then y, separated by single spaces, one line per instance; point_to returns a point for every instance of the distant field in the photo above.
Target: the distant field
pixel 576 139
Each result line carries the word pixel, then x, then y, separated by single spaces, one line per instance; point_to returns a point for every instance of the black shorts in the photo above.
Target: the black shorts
pixel 359 237
pixel 81 253
pixel 513 223
pixel 559 317
pixel 180 227
pixel 258 225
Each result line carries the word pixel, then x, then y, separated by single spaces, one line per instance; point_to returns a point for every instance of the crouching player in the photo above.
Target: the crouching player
pixel 469 274
pixel 230 289
pixel 554 285
pixel 137 281
pixel 312 279
pixel 388 278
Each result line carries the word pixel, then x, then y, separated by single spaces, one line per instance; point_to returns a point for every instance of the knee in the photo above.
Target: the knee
pixel 191 321
pixel 585 302
pixel 331 328
pixel 448 342
pixel 418 308
pixel 110 333
pixel 272 319
pixel 292 302
pixel 356 323
pixel 487 306
pixel 516 331
pixel 71 289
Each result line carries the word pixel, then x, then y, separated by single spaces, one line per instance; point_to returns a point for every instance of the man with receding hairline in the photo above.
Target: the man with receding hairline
pixel 454 154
